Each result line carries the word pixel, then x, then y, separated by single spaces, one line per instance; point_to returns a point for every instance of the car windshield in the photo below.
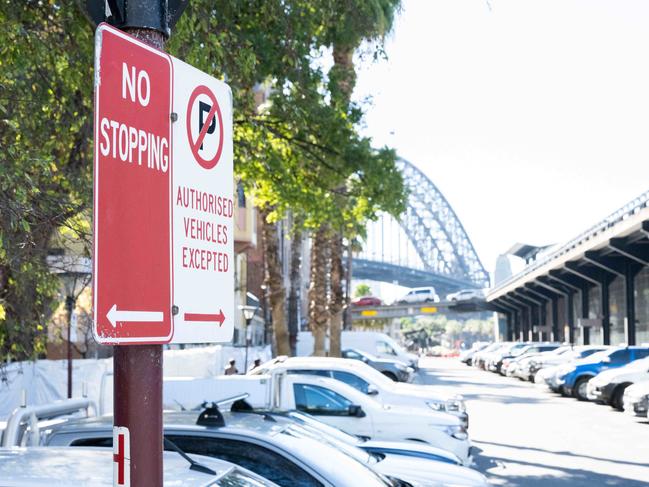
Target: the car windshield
pixel 308 420
pixel 517 350
pixel 354 452
pixel 238 478
pixel 299 440
pixel 599 356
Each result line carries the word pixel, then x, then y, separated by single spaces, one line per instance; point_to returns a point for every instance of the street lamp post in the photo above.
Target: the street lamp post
pixel 248 315
pixel 75 273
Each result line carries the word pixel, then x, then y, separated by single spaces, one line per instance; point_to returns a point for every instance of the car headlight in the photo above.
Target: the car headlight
pixel 410 370
pixel 401 367
pixel 437 405
pixel 458 432
pixel 455 405
pixel 642 404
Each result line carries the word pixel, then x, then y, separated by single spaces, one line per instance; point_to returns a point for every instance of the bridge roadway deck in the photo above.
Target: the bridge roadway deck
pixel 526 436
pixel 418 309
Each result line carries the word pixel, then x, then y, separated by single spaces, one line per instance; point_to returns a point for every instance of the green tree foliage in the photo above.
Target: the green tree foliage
pixel 362 290
pixel 292 151
pixel 45 175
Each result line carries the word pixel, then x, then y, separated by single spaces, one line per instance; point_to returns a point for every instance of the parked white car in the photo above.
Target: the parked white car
pixel 371 382
pixel 608 386
pixel 636 399
pixel 376 343
pixel 93 467
pixel 420 295
pixel 344 407
pixel 466 295
pixel 329 400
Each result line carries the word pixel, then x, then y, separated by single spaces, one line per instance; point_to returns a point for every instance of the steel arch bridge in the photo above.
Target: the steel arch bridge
pixel 448 259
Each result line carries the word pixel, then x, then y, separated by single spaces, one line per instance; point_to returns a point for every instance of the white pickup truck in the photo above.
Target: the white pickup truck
pixel 369 381
pixel 332 402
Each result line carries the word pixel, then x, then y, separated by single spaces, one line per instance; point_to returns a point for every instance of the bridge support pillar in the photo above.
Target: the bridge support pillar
pixel 585 311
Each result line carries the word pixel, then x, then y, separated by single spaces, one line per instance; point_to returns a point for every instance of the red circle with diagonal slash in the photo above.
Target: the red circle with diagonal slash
pixel 214 112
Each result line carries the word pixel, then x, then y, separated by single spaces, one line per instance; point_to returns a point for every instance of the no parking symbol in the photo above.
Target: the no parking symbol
pixel 205 127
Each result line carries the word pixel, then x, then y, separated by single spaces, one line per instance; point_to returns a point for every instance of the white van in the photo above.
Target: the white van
pixel 373 342
pixel 420 295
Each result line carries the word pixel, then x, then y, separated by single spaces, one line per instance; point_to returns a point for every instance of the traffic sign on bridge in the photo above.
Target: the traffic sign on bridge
pixel 163 198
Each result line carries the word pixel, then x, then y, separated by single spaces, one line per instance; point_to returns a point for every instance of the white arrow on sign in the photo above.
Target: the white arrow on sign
pixel 114 316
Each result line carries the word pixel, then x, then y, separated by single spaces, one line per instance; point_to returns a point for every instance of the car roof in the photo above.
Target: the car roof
pixel 242 426
pixel 315 362
pixel 237 423
pixel 64 466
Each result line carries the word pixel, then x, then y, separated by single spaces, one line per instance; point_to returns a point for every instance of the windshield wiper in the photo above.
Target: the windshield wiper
pixel 194 465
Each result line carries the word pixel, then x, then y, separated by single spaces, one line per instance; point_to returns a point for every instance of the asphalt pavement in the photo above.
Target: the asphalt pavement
pixel 524 435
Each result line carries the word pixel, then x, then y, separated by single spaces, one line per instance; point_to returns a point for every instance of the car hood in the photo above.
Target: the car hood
pixel 411 446
pixel 638 389
pixel 425 392
pixel 420 472
pixel 620 375
pixel 425 417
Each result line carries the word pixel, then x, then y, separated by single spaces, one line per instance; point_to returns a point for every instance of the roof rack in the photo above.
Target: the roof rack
pixel 211 415
pixel 32 414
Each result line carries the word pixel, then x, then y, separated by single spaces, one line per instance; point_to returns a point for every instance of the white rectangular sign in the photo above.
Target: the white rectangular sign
pixel 202 207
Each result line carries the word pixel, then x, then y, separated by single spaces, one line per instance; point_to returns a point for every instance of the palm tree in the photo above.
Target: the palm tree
pixel 354 21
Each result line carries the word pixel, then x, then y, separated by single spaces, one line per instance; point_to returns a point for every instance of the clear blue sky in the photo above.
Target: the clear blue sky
pixel 532 117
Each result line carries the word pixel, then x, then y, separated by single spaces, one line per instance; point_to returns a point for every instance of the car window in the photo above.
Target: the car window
pixel 256 458
pixel 423 291
pixel 319 400
pixel 94 442
pixel 322 373
pixel 352 354
pixel 620 356
pixel 384 347
pixel 641 353
pixel 352 380
pixel 586 353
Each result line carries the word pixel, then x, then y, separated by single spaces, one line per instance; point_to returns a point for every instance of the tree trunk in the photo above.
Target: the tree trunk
pixel 274 281
pixel 342 75
pixel 296 282
pixel 347 322
pixel 318 316
pixel 342 82
pixel 336 300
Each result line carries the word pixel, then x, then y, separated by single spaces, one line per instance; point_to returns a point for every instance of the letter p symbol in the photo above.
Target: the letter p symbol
pixel 204 108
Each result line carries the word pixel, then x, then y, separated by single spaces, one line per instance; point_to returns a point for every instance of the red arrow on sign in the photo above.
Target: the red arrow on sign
pixel 206 318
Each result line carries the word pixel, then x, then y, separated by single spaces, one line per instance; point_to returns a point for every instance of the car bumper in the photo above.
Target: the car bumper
pixel 635 407
pixel 405 375
pixel 462 416
pixel 600 394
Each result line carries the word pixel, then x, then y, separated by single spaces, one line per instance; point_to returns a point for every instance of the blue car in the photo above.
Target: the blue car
pixel 574 376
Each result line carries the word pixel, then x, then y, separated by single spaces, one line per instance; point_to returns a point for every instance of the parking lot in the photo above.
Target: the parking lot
pixel 525 435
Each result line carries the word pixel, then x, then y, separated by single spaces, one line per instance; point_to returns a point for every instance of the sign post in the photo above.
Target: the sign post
pixel 163 227
pixel 132 254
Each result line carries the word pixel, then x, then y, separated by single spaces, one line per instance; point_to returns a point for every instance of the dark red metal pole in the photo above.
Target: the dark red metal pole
pixel 137 374
pixel 69 304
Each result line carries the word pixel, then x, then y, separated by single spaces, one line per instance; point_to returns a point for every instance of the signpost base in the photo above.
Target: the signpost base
pixel 137 402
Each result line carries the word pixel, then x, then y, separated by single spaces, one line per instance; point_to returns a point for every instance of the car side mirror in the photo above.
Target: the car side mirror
pixel 372 390
pixel 364 359
pixel 356 411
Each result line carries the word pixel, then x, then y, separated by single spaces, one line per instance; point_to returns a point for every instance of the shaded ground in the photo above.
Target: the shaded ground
pixel 526 436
